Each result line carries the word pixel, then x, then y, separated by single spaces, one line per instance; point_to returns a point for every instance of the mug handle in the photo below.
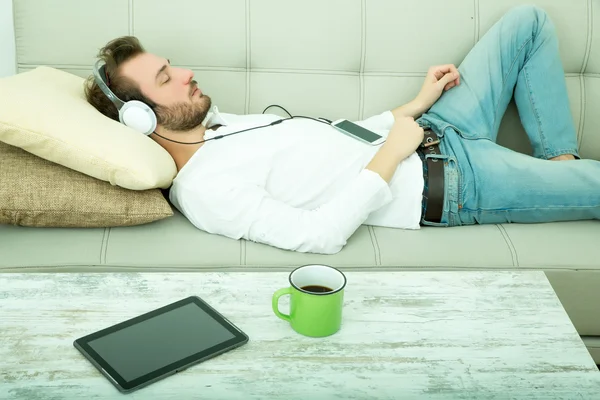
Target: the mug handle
pixel 275 303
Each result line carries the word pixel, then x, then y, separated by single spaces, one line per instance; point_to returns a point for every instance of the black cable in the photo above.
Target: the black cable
pixel 276 105
pixel 321 120
pixel 314 119
pixel 229 134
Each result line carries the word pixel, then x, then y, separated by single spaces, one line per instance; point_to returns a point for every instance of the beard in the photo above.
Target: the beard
pixel 183 116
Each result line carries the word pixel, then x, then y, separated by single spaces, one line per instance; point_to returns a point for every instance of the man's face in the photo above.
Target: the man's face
pixel 181 104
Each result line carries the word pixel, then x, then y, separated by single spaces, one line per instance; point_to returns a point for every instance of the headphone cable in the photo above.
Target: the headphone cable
pixel 321 120
pixel 229 134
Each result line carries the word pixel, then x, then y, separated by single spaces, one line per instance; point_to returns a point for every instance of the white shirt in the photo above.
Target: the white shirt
pixel 299 185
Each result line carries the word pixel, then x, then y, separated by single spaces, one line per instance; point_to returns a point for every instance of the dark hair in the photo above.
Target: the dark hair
pixel 114 54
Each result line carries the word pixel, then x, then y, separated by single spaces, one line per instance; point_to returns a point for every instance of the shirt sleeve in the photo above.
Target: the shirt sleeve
pixel 249 212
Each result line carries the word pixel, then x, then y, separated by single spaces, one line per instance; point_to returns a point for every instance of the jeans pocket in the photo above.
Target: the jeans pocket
pixel 466 135
pixel 453 191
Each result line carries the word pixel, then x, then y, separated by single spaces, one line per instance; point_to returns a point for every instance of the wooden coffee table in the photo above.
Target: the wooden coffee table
pixel 431 335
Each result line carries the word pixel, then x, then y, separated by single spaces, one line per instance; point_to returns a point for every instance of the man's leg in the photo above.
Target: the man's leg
pixel 518 54
pixel 507 186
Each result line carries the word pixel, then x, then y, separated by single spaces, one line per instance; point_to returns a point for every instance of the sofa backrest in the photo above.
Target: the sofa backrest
pixel 333 58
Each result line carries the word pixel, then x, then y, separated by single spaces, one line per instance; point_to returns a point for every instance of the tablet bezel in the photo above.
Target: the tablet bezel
pixel 82 344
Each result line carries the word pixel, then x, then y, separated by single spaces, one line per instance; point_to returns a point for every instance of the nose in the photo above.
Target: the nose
pixel 189 74
pixel 186 75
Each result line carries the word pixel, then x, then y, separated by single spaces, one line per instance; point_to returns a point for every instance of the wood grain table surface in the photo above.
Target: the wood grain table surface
pixel 404 335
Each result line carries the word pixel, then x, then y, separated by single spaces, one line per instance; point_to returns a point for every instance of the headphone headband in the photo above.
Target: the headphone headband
pixel 134 114
pixel 100 75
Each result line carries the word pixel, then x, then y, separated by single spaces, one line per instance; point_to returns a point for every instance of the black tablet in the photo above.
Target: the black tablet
pixel 152 346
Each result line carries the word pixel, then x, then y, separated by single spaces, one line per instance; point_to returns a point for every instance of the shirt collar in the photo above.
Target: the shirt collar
pixel 214 118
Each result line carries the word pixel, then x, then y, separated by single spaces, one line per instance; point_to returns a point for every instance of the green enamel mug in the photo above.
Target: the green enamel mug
pixel 316 299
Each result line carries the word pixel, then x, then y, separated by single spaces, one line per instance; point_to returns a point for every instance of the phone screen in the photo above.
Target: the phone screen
pixel 358 131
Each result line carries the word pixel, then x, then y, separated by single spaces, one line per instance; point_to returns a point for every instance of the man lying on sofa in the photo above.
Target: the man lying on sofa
pixel 300 184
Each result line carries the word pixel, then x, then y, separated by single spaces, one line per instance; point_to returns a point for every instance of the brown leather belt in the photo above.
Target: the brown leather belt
pixel 434 186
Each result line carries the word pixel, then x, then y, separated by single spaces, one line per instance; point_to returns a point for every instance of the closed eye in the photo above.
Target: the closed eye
pixel 168 77
pixel 163 70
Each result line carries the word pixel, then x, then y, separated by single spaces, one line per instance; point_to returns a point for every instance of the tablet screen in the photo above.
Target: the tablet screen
pixel 157 342
pixel 150 346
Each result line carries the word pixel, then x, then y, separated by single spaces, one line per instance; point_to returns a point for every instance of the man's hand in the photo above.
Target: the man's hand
pixel 403 139
pixel 438 80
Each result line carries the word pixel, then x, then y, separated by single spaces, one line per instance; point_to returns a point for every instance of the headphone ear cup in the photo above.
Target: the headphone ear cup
pixel 138 116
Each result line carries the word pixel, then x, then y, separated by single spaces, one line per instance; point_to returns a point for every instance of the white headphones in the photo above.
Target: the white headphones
pixel 134 113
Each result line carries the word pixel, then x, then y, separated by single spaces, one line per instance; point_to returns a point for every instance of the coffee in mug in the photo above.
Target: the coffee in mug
pixel 317 289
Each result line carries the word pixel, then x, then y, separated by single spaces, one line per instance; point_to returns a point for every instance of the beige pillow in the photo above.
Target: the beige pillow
pixel 36 192
pixel 44 111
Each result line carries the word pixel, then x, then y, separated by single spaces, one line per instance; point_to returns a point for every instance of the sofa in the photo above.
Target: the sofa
pixel 334 59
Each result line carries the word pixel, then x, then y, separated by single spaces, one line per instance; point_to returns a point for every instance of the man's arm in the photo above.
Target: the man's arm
pixel 244 210
pixel 325 229
pixel 413 109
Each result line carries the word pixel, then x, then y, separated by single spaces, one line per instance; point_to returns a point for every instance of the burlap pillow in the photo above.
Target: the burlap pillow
pixel 36 192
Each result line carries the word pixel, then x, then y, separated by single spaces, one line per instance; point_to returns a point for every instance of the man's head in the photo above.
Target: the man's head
pixel 134 74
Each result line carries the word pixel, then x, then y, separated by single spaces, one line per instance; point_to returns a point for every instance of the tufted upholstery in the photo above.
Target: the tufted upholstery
pixel 335 58
pixel 332 58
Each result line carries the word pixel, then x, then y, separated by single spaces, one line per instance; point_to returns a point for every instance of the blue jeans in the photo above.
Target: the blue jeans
pixel 486 183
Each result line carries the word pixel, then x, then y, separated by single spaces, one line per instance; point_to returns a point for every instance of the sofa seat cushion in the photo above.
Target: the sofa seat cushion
pixel 556 245
pixel 25 248
pixel 175 243
pixel 458 247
